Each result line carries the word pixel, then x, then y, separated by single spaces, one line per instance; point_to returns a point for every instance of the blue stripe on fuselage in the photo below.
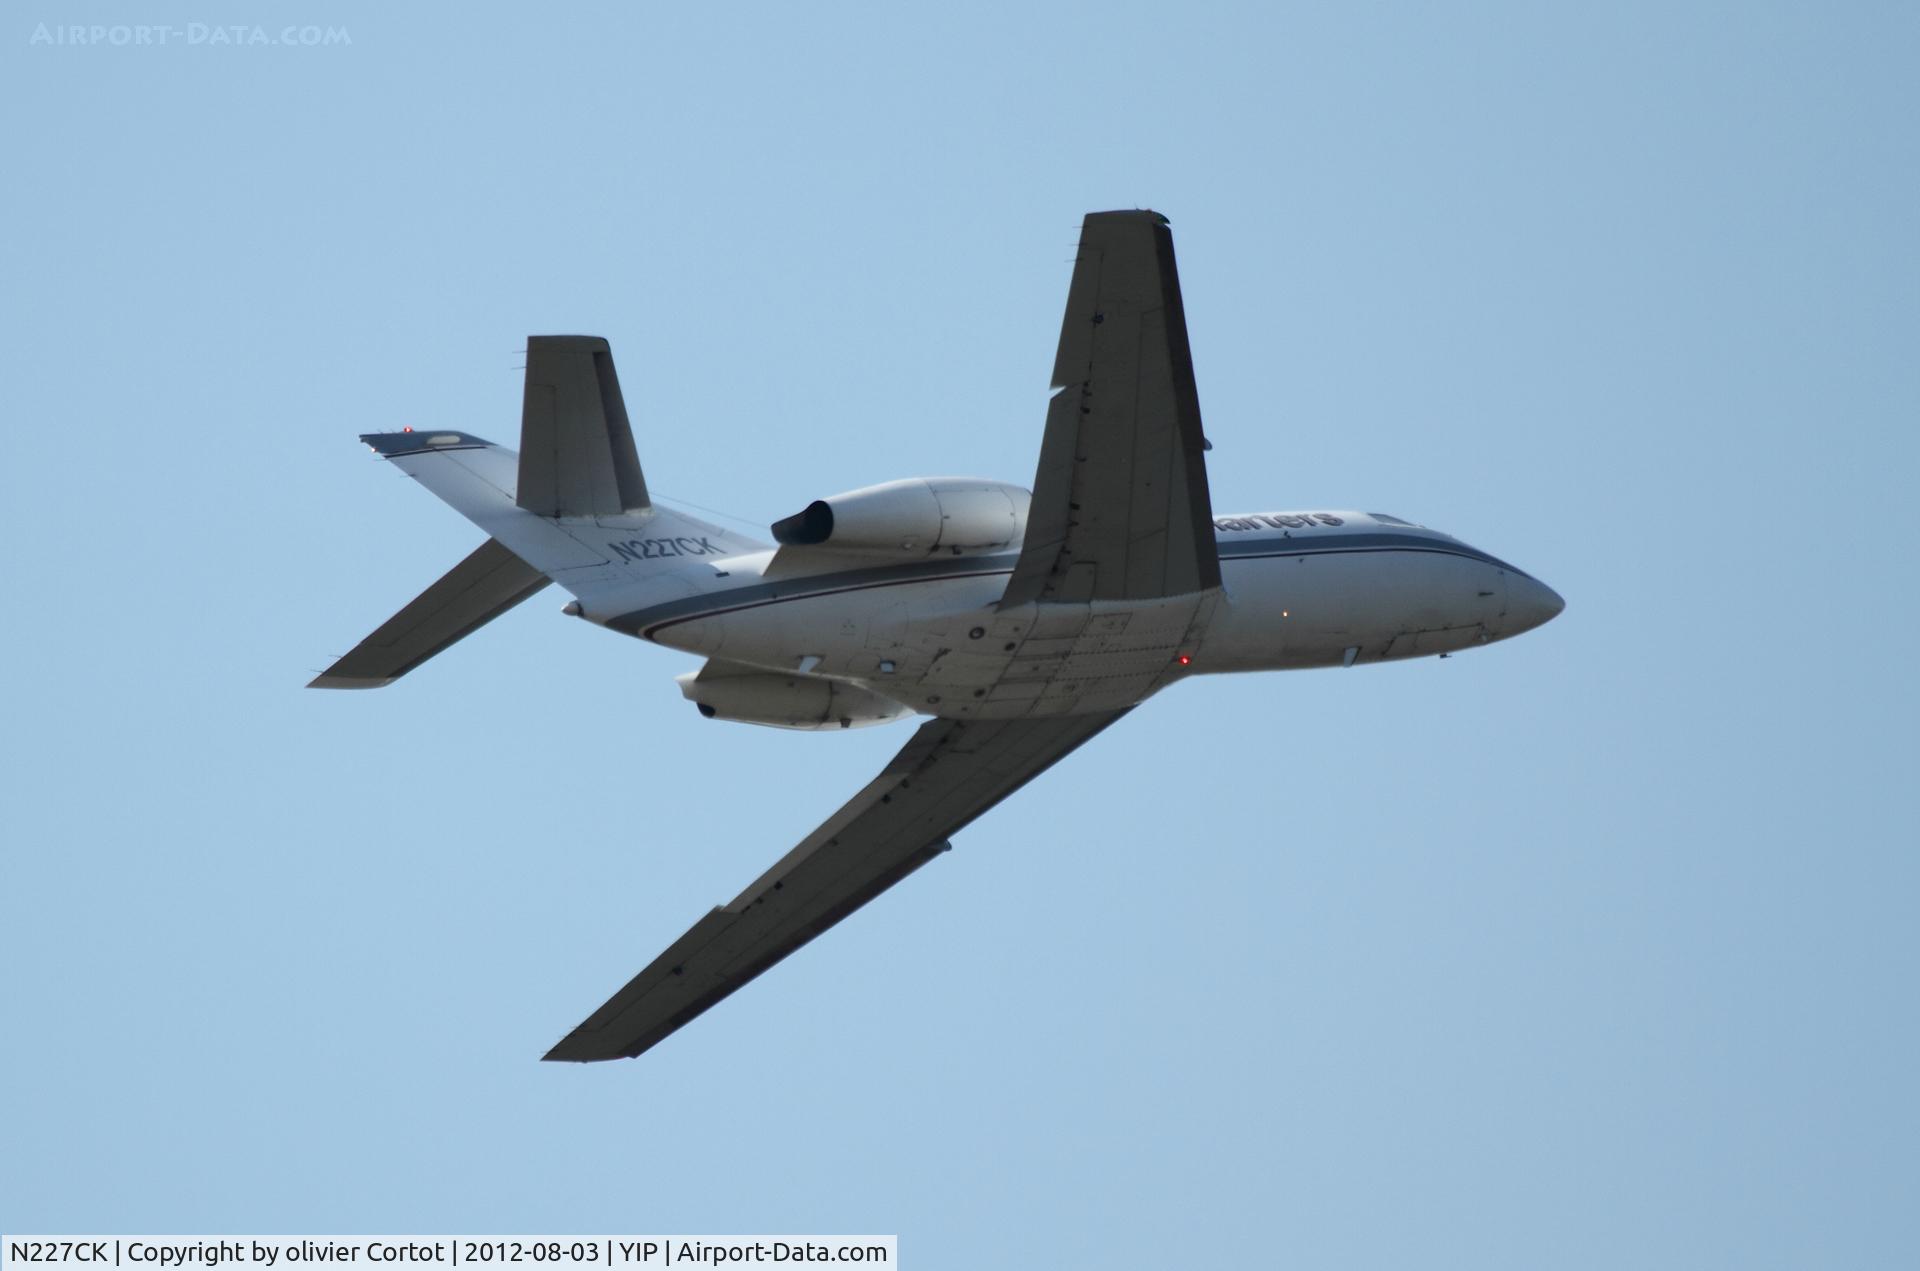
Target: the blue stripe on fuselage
pixel 1241 546
pixel 1234 546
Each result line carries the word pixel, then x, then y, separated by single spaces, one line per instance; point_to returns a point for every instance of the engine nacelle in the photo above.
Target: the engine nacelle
pixel 920 516
pixel 788 701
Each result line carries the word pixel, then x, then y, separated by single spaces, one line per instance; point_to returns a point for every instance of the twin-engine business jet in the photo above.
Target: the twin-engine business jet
pixel 1022 623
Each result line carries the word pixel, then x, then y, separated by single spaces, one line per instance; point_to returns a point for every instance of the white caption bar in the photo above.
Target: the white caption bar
pixel 604 1253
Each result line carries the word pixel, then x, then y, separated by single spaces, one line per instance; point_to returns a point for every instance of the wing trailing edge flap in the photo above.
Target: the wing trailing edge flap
pixel 473 593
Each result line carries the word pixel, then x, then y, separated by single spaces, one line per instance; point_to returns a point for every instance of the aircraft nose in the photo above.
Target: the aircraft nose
pixel 1530 603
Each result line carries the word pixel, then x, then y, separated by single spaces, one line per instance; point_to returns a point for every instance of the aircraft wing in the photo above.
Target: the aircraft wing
pixel 1120 505
pixel 951 772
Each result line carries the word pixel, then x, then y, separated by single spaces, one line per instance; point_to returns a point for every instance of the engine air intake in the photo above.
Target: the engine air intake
pixel 813 524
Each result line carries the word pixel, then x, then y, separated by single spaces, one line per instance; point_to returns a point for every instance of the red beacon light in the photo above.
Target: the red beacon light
pixel 1186 659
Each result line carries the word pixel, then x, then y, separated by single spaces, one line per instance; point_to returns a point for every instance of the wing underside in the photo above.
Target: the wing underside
pixel 948 774
pixel 1120 505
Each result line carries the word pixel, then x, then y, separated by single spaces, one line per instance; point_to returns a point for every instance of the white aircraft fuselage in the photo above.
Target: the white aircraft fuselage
pixel 886 637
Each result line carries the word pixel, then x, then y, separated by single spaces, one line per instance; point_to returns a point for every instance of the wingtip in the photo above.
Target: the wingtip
pixel 329 680
pixel 571 1050
pixel 1131 214
pixel 589 343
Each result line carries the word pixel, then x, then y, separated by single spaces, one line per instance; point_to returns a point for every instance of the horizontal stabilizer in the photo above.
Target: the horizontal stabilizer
pixel 473 593
pixel 576 448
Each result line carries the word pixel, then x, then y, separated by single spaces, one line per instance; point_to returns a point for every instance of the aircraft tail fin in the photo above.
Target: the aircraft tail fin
pixel 571 506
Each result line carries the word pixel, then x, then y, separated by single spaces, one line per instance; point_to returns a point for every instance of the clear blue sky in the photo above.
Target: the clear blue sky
pixel 1592 949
